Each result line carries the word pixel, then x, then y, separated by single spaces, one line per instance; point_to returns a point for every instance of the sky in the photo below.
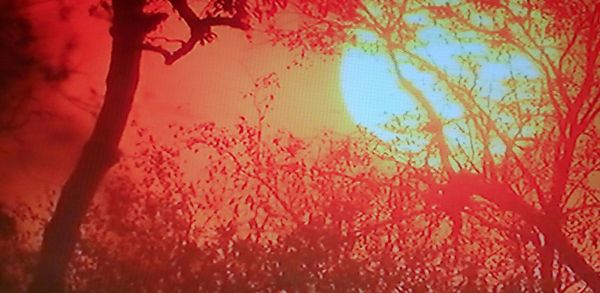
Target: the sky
pixel 207 85
pixel 334 93
pixel 368 81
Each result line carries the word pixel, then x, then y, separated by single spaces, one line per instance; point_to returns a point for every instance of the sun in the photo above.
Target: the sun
pixel 373 97
pixel 370 91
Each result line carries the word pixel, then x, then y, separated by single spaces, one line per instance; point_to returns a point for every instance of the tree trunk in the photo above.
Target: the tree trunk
pixel 100 152
pixel 554 238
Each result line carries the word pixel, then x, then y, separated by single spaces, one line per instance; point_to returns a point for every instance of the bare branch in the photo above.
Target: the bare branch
pixel 591 113
pixel 200 30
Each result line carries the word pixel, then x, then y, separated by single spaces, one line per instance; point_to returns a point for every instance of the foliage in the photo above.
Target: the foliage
pixel 132 22
pixel 525 151
pixel 273 212
pixel 349 230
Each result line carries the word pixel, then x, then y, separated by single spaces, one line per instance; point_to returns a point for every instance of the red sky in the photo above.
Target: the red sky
pixel 206 85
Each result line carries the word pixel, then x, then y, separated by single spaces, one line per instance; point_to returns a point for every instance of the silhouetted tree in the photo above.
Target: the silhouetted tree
pixel 544 125
pixel 270 211
pixel 130 28
pixel 280 221
pixel 274 212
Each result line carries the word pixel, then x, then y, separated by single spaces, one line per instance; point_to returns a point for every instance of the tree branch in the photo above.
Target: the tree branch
pixel 505 198
pixel 200 30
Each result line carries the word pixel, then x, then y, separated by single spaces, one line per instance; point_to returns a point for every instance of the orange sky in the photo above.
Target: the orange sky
pixel 206 85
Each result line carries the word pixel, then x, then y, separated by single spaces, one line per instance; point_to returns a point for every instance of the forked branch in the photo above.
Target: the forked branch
pixel 505 198
pixel 200 28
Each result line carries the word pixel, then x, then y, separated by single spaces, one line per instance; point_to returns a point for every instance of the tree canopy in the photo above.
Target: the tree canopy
pixel 496 197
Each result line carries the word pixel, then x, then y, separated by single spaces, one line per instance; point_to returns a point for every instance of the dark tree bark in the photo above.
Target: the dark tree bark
pixel 555 240
pixel 100 153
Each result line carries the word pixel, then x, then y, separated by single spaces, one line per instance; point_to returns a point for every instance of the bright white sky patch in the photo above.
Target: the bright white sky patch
pixel 373 97
pixel 371 92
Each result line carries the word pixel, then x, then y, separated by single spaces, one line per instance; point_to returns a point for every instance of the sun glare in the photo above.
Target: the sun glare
pixel 373 96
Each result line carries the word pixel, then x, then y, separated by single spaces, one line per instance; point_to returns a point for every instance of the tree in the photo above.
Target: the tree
pixel 527 155
pixel 544 125
pixel 130 28
pixel 352 226
pixel 271 212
